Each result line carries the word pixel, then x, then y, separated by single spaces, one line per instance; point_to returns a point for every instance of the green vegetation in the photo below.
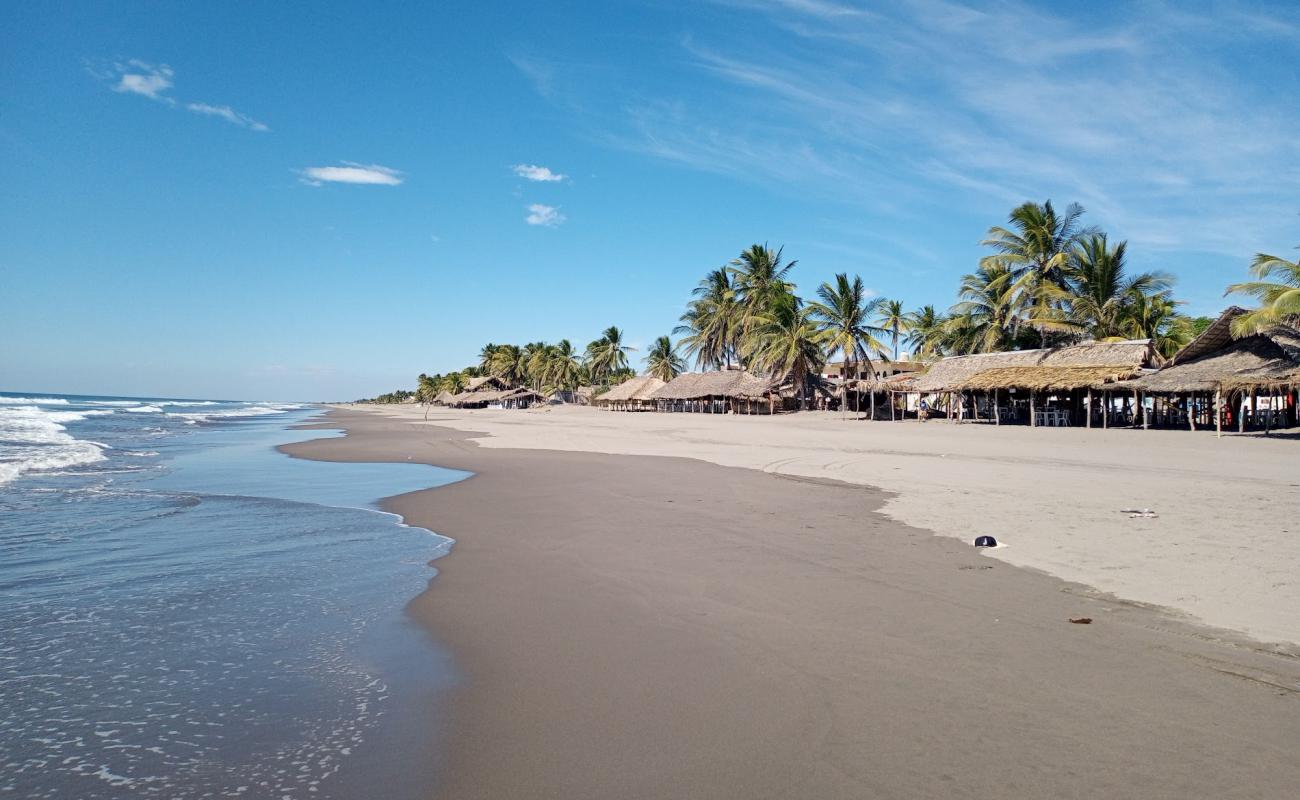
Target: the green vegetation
pixel 1049 280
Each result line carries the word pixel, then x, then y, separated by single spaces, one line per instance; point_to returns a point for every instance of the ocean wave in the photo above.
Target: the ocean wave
pixel 144 410
pixel 35 440
pixel 248 411
pixel 76 416
pixel 33 401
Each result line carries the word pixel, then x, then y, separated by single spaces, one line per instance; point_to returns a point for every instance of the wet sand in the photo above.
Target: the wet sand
pixel 643 627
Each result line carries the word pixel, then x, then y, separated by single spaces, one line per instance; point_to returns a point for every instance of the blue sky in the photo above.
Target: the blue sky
pixel 318 201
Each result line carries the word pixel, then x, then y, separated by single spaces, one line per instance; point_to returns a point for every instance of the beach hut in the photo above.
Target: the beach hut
pixel 732 391
pixel 1219 379
pixel 1052 386
pixel 633 394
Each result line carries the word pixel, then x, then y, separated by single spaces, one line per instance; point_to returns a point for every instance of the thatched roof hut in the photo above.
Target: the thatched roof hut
pixel 957 372
pixel 1267 359
pixel 738 384
pixel 633 391
pixel 444 397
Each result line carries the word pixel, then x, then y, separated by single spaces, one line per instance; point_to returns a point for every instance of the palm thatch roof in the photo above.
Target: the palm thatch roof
pixel 1270 358
pixel 444 397
pixel 1212 339
pixel 1048 378
pixel 728 383
pixel 631 390
pixel 477 383
pixel 953 373
pixel 903 382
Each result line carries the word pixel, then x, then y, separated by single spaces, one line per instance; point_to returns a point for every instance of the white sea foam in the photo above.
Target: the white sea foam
pixel 32 401
pixel 32 439
pixel 247 411
pixel 144 410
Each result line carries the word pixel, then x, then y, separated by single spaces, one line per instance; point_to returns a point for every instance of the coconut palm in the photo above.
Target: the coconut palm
pixel 485 357
pixel 1156 317
pixel 607 355
pixel 841 314
pixel 981 322
pixel 925 332
pixel 759 281
pixel 508 363
pixel 892 318
pixel 1036 249
pixel 662 361
pixel 784 341
pixel 711 321
pixel 454 382
pixel 1102 296
pixel 563 370
pixel 1276 287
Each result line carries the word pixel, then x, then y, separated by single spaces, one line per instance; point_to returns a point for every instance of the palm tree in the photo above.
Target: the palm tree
pixel 711 321
pixel 662 361
pixel 1276 287
pixel 1036 251
pixel 454 382
pixel 841 314
pixel 1156 317
pixel 509 364
pixel 925 332
pixel 981 322
pixel 783 341
pixel 564 372
pixel 1102 296
pixel 891 317
pixel 607 355
pixel 759 283
pixel 485 357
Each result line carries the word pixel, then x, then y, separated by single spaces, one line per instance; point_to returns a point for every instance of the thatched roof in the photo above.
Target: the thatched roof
pixel 728 383
pixel 904 382
pixel 633 389
pixel 477 383
pixel 953 373
pixel 1047 378
pixel 443 397
pixel 1212 339
pixel 1269 358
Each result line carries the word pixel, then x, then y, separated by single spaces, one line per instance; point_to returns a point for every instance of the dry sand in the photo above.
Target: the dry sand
pixel 666 628
pixel 1225 548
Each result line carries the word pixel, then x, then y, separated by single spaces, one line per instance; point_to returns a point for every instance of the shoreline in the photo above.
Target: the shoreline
pixel 659 627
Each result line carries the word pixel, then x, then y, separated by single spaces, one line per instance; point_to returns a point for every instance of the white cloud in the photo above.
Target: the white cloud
pixel 228 114
pixel 535 173
pixel 350 172
pixel 142 78
pixel 549 216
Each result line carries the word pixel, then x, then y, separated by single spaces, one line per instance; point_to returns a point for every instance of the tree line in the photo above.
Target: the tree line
pixel 1048 280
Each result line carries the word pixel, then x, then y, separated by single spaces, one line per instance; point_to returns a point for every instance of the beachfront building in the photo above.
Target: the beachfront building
pixel 1219 381
pixel 733 391
pixel 633 394
pixel 1055 386
pixel 489 391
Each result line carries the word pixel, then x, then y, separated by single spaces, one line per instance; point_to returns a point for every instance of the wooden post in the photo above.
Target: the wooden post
pixel 893 403
pixel 1033 420
pixel 1105 409
pixel 873 404
pixel 1143 409
pixel 1088 410
pixel 1218 413
pixel 997 410
pixel 1191 411
pixel 1241 413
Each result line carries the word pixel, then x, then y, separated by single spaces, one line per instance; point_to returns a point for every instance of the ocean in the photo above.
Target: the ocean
pixel 185 612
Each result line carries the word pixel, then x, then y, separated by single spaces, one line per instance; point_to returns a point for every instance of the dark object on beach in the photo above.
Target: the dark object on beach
pixel 1081 620
pixel 985 541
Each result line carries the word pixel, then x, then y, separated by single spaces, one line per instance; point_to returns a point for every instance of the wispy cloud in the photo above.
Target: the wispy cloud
pixel 155 81
pixel 351 172
pixel 547 216
pixel 145 79
pixel 533 172
pixel 1170 126
pixel 228 114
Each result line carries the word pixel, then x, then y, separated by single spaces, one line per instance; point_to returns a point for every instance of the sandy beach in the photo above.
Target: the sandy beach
pixel 1224 549
pixel 668 627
